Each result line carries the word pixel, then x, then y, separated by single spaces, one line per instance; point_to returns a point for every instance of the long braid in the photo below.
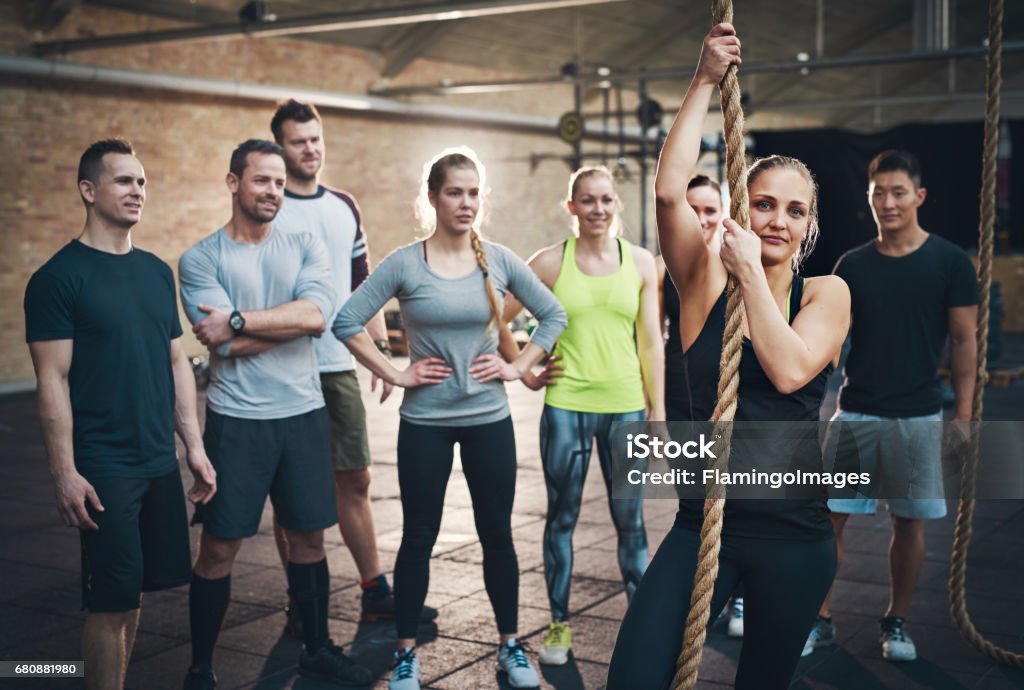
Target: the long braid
pixel 492 296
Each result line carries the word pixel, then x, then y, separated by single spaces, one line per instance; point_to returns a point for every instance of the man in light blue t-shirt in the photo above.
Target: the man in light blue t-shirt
pixel 333 217
pixel 257 298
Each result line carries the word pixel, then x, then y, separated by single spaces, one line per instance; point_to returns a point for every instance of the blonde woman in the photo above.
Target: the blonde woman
pixel 780 550
pixel 602 377
pixel 450 289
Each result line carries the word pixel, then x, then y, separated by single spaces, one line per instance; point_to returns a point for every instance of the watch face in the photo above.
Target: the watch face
pixel 236 322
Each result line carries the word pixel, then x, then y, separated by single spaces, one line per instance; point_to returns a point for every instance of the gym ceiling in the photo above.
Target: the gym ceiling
pixel 855 64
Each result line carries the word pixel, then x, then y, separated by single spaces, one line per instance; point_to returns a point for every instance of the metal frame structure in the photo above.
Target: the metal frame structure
pixel 337 21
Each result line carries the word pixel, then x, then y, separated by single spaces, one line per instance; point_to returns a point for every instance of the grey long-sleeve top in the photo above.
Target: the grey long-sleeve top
pixel 447 318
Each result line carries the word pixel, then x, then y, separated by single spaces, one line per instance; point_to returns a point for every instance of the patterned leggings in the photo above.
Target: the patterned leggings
pixel 566 440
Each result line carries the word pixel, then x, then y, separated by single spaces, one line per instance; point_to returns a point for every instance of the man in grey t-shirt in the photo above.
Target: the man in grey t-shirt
pixel 257 296
pixel 333 216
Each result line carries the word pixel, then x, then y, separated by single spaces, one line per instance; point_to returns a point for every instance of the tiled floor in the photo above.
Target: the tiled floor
pixel 39 594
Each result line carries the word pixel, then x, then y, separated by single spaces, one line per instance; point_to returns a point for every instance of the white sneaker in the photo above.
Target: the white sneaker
pixel 557 644
pixel 896 644
pixel 736 618
pixel 405 671
pixel 512 660
pixel 822 634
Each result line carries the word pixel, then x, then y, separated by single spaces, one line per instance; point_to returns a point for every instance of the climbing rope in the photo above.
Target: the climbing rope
pixel 986 231
pixel 728 383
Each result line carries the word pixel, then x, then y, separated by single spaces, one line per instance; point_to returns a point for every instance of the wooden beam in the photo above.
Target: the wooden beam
pixel 680 29
pixel 46 15
pixel 905 74
pixel 412 43
pixel 889 19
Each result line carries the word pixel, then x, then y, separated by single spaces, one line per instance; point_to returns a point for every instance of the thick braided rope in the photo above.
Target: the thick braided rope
pixel 986 231
pixel 688 663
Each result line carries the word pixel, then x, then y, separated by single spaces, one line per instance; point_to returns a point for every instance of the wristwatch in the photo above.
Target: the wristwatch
pixel 384 346
pixel 236 321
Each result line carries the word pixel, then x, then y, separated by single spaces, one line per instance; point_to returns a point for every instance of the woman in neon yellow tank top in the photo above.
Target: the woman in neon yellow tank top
pixel 599 375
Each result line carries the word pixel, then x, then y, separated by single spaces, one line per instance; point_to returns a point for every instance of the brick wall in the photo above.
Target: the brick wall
pixel 184 142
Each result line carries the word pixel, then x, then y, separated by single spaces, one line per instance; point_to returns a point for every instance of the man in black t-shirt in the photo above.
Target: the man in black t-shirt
pixel 909 290
pixel 102 325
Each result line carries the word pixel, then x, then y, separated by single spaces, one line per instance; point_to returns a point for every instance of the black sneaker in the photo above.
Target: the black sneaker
pixel 332 664
pixel 200 680
pixel 383 609
pixel 292 619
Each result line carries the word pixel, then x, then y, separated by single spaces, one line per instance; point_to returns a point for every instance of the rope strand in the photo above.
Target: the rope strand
pixel 688 663
pixel 986 232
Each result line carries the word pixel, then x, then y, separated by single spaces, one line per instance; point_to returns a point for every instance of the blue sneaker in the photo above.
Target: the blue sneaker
pixel 512 661
pixel 405 672
pixel 736 618
pixel 896 644
pixel 823 634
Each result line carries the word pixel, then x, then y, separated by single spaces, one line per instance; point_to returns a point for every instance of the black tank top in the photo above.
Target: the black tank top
pixel 676 397
pixel 670 303
pixel 759 400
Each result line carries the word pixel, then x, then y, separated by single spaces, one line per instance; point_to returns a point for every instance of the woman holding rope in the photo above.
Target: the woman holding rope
pixel 781 551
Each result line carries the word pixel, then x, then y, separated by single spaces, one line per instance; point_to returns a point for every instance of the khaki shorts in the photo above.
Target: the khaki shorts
pixel 350 449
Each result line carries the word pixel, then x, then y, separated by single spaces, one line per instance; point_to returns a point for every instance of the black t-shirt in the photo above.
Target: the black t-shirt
pixel 900 323
pixel 121 313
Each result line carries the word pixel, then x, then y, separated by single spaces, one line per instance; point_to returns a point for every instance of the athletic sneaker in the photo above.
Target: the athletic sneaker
pixel 292 618
pixel 200 680
pixel 736 618
pixel 332 664
pixel 896 644
pixel 823 634
pixel 557 644
pixel 405 671
pixel 512 661
pixel 375 609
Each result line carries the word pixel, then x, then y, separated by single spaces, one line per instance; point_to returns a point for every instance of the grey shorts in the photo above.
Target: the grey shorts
pixel 905 452
pixel 350 448
pixel 287 459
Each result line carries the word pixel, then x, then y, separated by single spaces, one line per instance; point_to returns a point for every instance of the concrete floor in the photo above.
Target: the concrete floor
pixel 39 591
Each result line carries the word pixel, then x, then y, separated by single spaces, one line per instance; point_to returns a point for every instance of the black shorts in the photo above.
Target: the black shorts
pixel 141 545
pixel 288 459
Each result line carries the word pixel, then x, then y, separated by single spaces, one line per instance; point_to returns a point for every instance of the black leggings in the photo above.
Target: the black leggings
pixel 425 453
pixel 784 583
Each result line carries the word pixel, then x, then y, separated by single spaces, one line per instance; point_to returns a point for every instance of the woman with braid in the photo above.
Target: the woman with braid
pixel 603 377
pixel 450 288
pixel 781 550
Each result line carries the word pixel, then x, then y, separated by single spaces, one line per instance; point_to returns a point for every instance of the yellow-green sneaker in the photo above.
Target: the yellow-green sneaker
pixel 557 644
